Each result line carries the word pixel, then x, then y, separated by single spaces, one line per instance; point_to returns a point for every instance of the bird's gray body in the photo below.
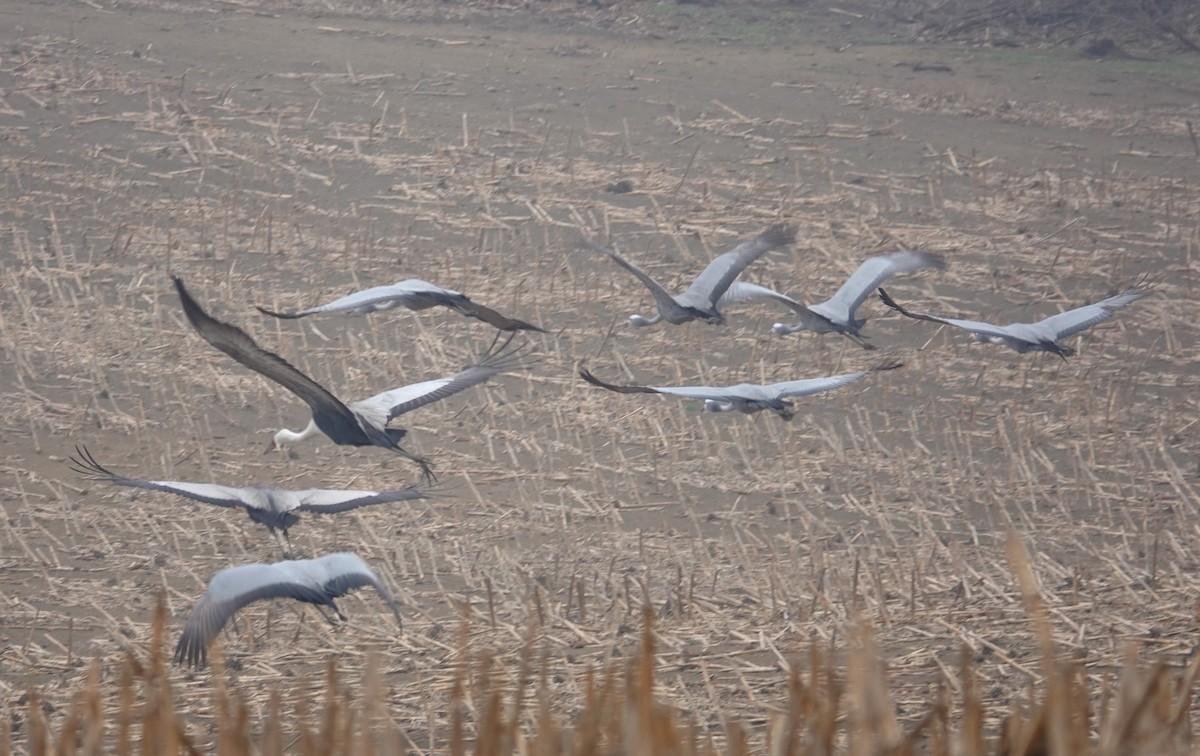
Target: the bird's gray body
pixel 273 507
pixel 313 581
pixel 745 397
pixel 1042 336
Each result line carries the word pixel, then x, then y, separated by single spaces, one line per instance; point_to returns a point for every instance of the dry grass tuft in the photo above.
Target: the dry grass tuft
pixel 621 710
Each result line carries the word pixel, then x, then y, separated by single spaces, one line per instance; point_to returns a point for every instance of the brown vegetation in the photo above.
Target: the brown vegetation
pixel 503 709
pixel 279 158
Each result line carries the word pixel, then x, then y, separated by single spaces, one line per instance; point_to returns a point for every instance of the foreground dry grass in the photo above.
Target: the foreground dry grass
pixel 825 712
pixel 281 161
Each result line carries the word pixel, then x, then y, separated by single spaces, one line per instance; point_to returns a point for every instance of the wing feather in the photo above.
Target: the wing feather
pixel 689 392
pixel 229 591
pixel 209 493
pixel 412 293
pixel 872 272
pixel 329 501
pixel 742 291
pixel 473 309
pixel 716 278
pixel 662 297
pixel 587 376
pixel 387 405
pixel 1072 322
pixel 810 386
pixel 234 342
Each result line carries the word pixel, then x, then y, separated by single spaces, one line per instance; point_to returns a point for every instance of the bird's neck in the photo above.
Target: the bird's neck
pixel 286 436
pixel 642 321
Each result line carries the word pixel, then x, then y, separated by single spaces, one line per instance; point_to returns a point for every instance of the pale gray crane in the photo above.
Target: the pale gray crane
pixel 1044 335
pixel 703 298
pixel 275 508
pixel 413 294
pixel 313 581
pixel 836 314
pixel 746 397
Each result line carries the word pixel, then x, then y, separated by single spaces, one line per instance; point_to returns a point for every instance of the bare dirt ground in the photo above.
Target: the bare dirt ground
pixel 284 154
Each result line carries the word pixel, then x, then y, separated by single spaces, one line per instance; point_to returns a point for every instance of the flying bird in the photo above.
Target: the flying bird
pixel 1042 336
pixel 703 298
pixel 313 581
pixel 359 424
pixel 836 314
pixel 413 294
pixel 275 508
pixel 746 397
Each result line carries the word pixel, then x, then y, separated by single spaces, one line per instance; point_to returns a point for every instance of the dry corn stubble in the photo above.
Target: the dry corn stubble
pixel 751 538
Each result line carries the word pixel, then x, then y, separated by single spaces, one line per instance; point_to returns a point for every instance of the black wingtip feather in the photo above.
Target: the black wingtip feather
pixel 280 315
pixel 191 308
pixel 83 463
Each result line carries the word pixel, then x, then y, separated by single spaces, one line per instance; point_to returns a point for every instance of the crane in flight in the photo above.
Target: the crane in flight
pixel 1044 335
pixel 703 299
pixel 836 314
pixel 276 508
pixel 745 397
pixel 312 581
pixel 413 294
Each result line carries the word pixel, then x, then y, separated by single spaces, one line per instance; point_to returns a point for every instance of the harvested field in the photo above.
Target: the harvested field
pixel 284 155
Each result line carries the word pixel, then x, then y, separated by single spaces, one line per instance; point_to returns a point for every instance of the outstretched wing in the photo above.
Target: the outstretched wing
pixel 327 501
pixel 473 309
pixel 346 570
pixel 1072 322
pixel 716 278
pixel 411 293
pixel 234 342
pixel 809 386
pixel 742 291
pixel 874 271
pixel 662 297
pixel 587 376
pixel 391 404
pixel 210 493
pixel 974 326
pixel 689 392
pixel 228 591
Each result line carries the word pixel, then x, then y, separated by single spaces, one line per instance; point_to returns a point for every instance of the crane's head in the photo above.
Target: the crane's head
pixel 641 320
pixel 276 442
pixel 782 329
pixel 716 405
